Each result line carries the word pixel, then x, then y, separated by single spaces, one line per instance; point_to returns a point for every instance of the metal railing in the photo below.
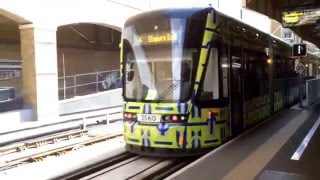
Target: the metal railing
pixel 89 83
pixel 313 91
pixel 9 74
pixel 104 115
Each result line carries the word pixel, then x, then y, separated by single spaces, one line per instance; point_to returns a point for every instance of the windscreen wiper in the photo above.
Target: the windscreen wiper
pixel 167 91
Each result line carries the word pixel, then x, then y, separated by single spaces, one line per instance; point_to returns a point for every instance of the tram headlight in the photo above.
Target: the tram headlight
pixel 166 118
pixel 174 118
pixel 130 116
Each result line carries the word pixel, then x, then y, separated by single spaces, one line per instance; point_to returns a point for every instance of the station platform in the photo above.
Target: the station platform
pixel 285 146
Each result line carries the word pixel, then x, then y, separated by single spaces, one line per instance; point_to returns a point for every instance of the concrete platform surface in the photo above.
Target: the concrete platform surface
pixel 264 152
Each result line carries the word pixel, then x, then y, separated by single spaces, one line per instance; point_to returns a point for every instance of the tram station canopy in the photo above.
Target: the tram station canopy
pixel 301 16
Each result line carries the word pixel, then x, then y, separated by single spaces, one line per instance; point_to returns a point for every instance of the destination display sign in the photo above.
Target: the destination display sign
pixel 301 17
pixel 163 38
pixel 299 50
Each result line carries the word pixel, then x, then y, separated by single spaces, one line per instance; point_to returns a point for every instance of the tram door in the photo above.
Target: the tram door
pixel 236 90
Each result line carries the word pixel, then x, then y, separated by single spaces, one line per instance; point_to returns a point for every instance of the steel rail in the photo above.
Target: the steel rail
pixel 170 169
pixel 88 171
pixel 162 169
pixel 41 141
pixel 111 168
pixel 140 167
pixel 151 171
pixel 55 152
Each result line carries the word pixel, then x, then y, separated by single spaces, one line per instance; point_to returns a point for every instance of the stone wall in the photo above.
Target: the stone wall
pixel 10 51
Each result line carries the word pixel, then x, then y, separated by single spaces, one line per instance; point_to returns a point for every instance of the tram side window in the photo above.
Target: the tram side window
pixel 251 77
pixel 215 88
pixel 211 91
pixel 256 75
pixel 225 71
pixel 210 88
pixel 280 70
pixel 291 73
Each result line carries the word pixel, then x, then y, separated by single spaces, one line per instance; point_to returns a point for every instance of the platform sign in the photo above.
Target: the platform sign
pixel 299 50
pixel 300 68
pixel 301 17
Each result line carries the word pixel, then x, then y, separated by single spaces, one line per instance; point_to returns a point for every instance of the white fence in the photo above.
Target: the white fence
pixel 111 98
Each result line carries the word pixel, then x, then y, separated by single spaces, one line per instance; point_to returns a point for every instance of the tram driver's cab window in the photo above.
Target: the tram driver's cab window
pixel 210 88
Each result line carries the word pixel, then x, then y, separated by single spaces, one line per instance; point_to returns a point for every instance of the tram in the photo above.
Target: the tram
pixel 194 77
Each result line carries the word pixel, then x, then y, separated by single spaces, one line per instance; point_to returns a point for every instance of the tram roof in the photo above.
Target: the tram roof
pixel 188 12
pixel 167 12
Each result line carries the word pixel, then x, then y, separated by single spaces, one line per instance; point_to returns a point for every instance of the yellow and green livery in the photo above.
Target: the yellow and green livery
pixel 194 78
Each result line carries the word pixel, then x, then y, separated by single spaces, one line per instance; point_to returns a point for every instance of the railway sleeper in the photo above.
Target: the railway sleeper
pixel 37 159
pixel 60 153
pixel 21 148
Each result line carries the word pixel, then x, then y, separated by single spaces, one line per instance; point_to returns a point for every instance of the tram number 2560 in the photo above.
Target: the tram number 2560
pixel 149 117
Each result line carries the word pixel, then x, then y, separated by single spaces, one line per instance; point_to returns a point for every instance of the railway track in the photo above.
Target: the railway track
pixel 121 166
pixel 38 141
pixel 35 143
pixel 54 151
pixel 130 166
